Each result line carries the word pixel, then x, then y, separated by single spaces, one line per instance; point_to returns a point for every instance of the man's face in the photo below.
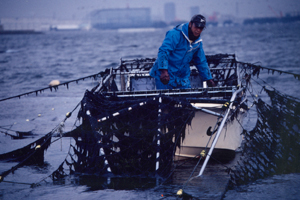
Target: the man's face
pixel 195 30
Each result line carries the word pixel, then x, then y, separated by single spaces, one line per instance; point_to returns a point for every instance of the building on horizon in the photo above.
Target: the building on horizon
pixel 121 18
pixel 170 13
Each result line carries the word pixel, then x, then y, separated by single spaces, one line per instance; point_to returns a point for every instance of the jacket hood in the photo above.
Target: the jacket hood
pixel 184 28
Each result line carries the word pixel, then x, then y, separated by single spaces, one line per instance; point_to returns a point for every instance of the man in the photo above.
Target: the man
pixel 181 45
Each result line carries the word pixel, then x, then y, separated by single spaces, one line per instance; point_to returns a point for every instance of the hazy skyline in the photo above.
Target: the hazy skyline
pixel 79 9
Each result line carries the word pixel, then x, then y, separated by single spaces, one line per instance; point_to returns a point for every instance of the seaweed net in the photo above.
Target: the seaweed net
pixel 133 137
pixel 136 136
pixel 273 146
pixel 32 153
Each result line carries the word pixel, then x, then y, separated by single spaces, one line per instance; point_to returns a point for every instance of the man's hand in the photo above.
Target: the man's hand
pixel 164 76
pixel 210 83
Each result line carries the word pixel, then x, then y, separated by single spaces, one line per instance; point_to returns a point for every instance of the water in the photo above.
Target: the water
pixel 30 62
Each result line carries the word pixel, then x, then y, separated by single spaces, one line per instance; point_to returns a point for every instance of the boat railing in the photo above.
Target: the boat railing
pixel 132 78
pixel 142 81
pixel 210 92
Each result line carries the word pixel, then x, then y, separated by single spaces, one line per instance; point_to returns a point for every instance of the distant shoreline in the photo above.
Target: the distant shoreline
pixel 11 32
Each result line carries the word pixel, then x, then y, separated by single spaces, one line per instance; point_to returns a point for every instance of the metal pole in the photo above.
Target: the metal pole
pixel 219 131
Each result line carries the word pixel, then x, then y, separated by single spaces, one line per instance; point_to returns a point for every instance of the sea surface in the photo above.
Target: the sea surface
pixel 31 62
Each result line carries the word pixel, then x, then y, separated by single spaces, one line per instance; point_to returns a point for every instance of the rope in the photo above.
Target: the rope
pixel 54 87
pixel 31 184
pixel 296 76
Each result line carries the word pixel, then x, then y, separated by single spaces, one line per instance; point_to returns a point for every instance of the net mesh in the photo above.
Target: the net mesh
pixel 273 146
pixel 125 137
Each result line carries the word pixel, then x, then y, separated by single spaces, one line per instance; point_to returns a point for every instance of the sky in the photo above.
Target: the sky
pixel 78 9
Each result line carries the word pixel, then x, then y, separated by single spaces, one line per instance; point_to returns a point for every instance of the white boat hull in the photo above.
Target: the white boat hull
pixel 196 137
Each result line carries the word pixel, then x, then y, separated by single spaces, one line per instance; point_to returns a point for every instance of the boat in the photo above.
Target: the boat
pixel 125 127
pixel 130 127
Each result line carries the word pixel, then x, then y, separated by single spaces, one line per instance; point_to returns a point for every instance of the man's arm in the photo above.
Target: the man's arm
pixel 168 45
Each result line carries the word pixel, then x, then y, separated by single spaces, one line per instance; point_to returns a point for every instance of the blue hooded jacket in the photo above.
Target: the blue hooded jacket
pixel 175 55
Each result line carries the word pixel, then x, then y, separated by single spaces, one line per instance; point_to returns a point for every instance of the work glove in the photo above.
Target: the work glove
pixel 164 76
pixel 211 83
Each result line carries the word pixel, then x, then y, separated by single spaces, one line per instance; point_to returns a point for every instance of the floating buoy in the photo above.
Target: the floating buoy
pixel 39 115
pixel 202 153
pixel 68 114
pixel 54 83
pixel 179 192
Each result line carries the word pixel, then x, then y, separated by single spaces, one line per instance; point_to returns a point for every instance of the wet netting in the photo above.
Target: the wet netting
pixel 133 137
pixel 273 146
pixel 33 153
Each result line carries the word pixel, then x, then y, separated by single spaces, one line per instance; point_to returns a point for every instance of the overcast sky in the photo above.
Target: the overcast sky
pixel 77 9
